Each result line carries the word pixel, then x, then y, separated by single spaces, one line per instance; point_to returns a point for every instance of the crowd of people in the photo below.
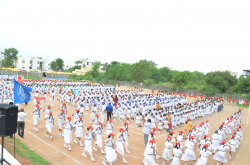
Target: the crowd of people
pixel 158 114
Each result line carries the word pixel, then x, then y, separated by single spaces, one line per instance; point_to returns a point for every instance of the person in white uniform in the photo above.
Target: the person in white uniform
pixel 221 155
pixel 189 153
pixel 49 125
pixel 110 150
pixel 126 136
pixel 109 126
pixel 167 150
pixel 150 154
pixel 98 131
pixel 68 127
pixel 36 114
pixel 89 136
pixel 61 120
pixel 79 130
pixel 204 153
pixel 93 110
pixel 95 122
pixel 103 107
pixel 177 151
pixel 119 145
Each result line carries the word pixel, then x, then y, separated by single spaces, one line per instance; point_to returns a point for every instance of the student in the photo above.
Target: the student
pixel 88 142
pixel 49 125
pixel 119 145
pixel 109 150
pixel 79 130
pixel 36 114
pixel 98 132
pixel 68 127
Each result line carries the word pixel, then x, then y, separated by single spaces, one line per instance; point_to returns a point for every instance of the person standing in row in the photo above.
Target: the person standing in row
pixel 103 108
pixel 36 114
pixel 169 117
pixel 61 120
pixel 109 150
pixel 126 136
pixel 98 132
pixel 119 145
pixel 110 127
pixel 79 130
pixel 88 142
pixel 146 130
pixel 109 110
pixel 49 125
pixel 93 114
pixel 68 127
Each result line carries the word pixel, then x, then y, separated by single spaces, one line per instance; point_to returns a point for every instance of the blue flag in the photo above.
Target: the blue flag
pixel 76 91
pixel 21 93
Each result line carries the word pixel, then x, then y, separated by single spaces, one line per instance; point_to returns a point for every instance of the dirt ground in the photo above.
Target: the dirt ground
pixel 56 153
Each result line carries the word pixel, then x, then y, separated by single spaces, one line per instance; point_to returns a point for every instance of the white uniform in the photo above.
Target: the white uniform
pixel 36 116
pixel 203 159
pixel 49 124
pixel 88 142
pixel 119 146
pixel 167 151
pixel 110 151
pixel 189 153
pixel 67 132
pixel 221 155
pixel 79 128
pixel 149 157
pixel 99 136
pixel 176 159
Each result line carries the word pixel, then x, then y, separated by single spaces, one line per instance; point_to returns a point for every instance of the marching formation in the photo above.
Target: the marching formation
pixel 158 114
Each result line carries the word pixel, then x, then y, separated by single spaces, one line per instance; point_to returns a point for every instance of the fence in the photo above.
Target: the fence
pixel 35 74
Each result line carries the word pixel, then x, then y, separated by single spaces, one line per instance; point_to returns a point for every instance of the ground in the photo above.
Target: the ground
pixel 56 153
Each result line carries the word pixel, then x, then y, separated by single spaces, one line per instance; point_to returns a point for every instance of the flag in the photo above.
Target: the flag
pixel 39 98
pixel 21 93
pixel 76 91
pixel 19 79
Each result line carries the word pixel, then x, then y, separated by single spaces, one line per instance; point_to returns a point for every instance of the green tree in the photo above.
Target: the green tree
pixel 141 70
pixel 243 85
pixel 180 79
pixel 95 69
pixel 220 80
pixel 10 55
pixel 39 58
pixel 166 74
pixel 71 69
pixel 78 62
pixel 57 64
pixel 155 75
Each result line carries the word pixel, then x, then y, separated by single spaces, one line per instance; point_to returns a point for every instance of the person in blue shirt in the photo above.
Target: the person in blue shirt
pixel 146 130
pixel 109 110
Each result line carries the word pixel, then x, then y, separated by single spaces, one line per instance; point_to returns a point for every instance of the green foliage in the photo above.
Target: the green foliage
pixel 95 69
pixel 57 64
pixel 71 69
pixel 39 58
pixel 74 77
pixel 149 81
pixel 210 90
pixel 78 62
pixel 221 80
pixel 10 55
pixel 180 79
pixel 243 85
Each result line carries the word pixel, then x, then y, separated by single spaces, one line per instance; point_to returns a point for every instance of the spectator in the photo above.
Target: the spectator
pixel 158 106
pixel 169 117
pixel 21 122
pixel 146 130
pixel 109 110
pixel 188 126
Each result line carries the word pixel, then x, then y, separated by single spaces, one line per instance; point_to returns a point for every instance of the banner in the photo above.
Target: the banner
pixel 21 93
pixel 76 91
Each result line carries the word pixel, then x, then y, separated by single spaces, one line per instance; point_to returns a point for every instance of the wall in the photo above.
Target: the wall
pixel 19 63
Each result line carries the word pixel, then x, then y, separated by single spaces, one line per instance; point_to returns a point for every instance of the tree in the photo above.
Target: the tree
pixel 155 75
pixel 39 58
pixel 71 69
pixel 180 79
pixel 78 62
pixel 166 74
pixel 141 70
pixel 57 64
pixel 40 66
pixel 95 69
pixel 243 85
pixel 10 55
pixel 220 80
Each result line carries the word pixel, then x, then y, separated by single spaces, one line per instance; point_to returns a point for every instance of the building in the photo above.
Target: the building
pixel 234 74
pixel 39 64
pixel 246 73
pixel 86 66
pixel 31 63
pixel 23 63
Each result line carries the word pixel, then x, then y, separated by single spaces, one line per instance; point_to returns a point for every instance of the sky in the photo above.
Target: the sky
pixel 183 34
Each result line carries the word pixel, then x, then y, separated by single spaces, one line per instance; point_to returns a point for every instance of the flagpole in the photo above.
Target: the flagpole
pixel 248 116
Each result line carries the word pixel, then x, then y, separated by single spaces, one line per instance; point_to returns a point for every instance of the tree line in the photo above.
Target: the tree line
pixel 147 72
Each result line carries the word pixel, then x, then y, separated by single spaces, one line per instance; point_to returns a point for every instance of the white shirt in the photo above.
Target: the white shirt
pixel 21 116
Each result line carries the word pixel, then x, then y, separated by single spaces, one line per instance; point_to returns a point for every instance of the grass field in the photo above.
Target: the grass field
pixel 23 152
pixel 32 77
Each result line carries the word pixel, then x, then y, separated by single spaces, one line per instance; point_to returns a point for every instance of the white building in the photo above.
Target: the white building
pixel 39 64
pixel 86 66
pixel 23 63
pixel 31 63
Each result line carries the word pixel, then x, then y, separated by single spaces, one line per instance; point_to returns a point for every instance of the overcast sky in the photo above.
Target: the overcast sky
pixel 186 35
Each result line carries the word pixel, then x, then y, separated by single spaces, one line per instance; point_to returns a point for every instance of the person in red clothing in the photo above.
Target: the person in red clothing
pixel 116 100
